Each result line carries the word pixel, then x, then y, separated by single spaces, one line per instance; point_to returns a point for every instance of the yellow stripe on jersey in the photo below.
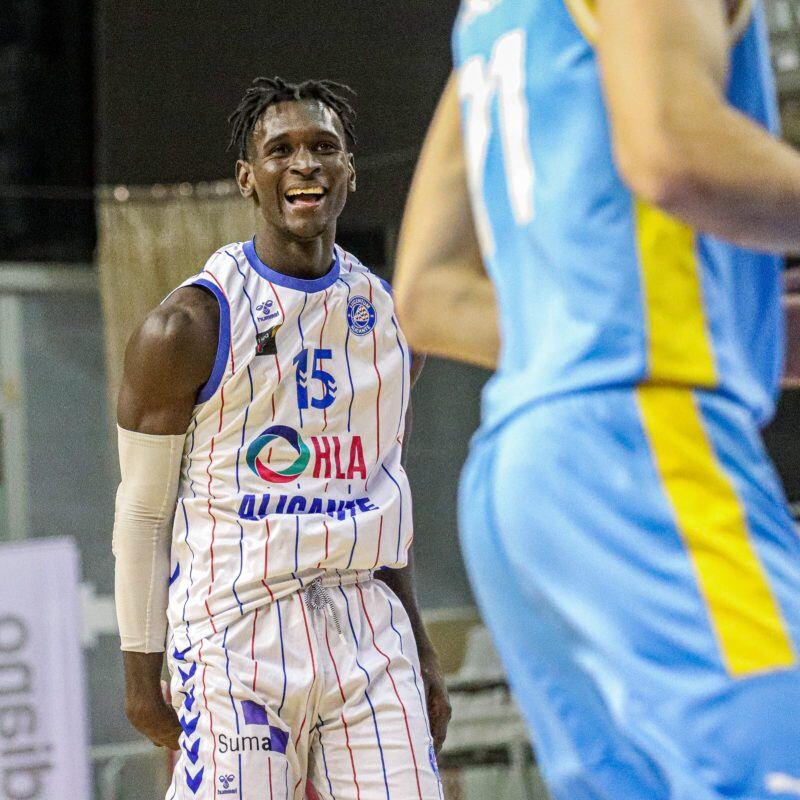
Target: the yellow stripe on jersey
pixel 584 14
pixel 744 614
pixel 679 345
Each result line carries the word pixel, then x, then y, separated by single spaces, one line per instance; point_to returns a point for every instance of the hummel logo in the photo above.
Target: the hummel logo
pixel 227 781
pixel 265 311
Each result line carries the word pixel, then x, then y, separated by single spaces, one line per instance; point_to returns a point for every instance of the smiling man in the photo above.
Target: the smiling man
pixel 261 420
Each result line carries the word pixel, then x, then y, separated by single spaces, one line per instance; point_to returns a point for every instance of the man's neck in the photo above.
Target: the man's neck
pixel 308 259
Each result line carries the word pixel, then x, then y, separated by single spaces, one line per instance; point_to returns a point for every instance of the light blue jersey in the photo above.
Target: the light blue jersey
pixel 625 533
pixel 595 287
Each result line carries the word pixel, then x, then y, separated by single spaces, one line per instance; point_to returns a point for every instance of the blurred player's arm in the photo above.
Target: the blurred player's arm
pixel 677 142
pixel 445 300
pixel 167 360
pixel 791 307
pixel 402 583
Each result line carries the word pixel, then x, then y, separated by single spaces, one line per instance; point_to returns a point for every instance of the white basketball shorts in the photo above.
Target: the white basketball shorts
pixel 323 685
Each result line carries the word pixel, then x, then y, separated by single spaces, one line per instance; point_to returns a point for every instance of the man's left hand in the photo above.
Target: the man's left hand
pixel 439 710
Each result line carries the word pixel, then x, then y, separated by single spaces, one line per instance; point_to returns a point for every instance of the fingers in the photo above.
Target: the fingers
pixel 158 722
pixel 439 711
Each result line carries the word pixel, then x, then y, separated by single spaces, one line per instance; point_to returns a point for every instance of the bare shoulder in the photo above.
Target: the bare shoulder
pixel 178 334
pixel 168 358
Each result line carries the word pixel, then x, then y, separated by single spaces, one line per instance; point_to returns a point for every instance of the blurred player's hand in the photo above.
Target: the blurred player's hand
pixel 155 718
pixel 439 710
pixel 145 704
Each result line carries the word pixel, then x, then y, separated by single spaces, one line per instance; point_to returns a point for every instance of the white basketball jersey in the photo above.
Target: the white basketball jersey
pixel 292 457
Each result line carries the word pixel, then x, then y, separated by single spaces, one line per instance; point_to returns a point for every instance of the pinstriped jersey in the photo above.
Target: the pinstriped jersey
pixel 597 288
pixel 291 465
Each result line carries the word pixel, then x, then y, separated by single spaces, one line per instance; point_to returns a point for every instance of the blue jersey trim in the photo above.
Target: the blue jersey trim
pixel 223 343
pixel 287 281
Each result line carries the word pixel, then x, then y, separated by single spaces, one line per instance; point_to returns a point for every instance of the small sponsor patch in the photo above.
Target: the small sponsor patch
pixel 254 714
pixel 360 315
pixel 266 342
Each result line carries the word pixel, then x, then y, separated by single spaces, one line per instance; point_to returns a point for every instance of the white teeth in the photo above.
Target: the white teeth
pixel 306 190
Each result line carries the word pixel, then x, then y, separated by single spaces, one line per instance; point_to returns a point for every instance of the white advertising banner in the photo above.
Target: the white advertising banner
pixel 43 725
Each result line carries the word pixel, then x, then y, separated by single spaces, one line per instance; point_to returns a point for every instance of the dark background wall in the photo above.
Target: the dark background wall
pixel 168 75
pixel 46 130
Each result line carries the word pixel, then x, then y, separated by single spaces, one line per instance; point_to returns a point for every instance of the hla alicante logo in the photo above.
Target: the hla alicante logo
pixel 333 458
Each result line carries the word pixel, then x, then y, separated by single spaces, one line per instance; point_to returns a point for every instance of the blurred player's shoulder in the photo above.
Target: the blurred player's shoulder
pixel 584 14
pixel 472 9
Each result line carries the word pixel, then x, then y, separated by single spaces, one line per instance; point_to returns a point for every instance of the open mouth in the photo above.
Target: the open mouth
pixel 306 196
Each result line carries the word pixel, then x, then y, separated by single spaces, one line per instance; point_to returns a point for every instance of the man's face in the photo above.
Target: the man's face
pixel 298 170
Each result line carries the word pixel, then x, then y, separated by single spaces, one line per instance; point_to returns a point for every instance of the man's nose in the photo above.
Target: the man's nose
pixel 305 162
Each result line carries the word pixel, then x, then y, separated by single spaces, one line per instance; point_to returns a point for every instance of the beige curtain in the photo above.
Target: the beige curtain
pixel 149 240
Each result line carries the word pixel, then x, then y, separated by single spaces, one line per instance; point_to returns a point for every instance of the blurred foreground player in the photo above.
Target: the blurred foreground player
pixel 625 532
pixel 263 407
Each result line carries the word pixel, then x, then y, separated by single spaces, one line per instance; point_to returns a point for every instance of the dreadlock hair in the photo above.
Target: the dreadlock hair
pixel 264 92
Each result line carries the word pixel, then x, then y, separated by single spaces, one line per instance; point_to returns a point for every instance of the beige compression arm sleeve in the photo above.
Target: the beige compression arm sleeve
pixel 150 467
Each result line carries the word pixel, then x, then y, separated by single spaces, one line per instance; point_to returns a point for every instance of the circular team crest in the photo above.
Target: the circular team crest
pixel 264 440
pixel 360 315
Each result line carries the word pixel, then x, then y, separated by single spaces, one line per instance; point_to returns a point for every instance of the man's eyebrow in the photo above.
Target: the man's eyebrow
pixel 332 132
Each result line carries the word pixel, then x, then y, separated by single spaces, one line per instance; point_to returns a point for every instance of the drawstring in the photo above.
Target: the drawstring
pixel 318 599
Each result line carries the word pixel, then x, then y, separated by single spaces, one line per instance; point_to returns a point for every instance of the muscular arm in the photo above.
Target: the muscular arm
pixel 166 362
pixel 441 287
pixel 677 141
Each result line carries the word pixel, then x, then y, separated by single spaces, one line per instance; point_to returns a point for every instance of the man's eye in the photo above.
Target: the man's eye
pixel 326 146
pixel 279 150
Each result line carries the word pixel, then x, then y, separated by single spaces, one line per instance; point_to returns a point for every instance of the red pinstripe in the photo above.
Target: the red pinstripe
pixel 266 563
pixel 378 397
pixel 378 550
pixel 313 672
pixel 253 649
pixel 210 717
pixel 208 502
pixel 277 362
pixel 269 762
pixel 341 716
pixel 394 686
pixel 322 331
pixel 308 638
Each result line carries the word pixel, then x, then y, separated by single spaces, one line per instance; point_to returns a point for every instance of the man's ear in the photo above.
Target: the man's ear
pixel 244 178
pixel 351 167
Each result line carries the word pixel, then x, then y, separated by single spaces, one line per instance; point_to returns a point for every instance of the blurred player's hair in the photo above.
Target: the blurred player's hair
pixel 264 92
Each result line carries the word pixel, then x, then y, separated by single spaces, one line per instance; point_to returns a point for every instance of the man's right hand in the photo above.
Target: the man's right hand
pixel 145 706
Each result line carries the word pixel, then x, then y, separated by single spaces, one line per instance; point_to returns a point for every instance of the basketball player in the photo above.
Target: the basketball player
pixel 263 407
pixel 626 535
